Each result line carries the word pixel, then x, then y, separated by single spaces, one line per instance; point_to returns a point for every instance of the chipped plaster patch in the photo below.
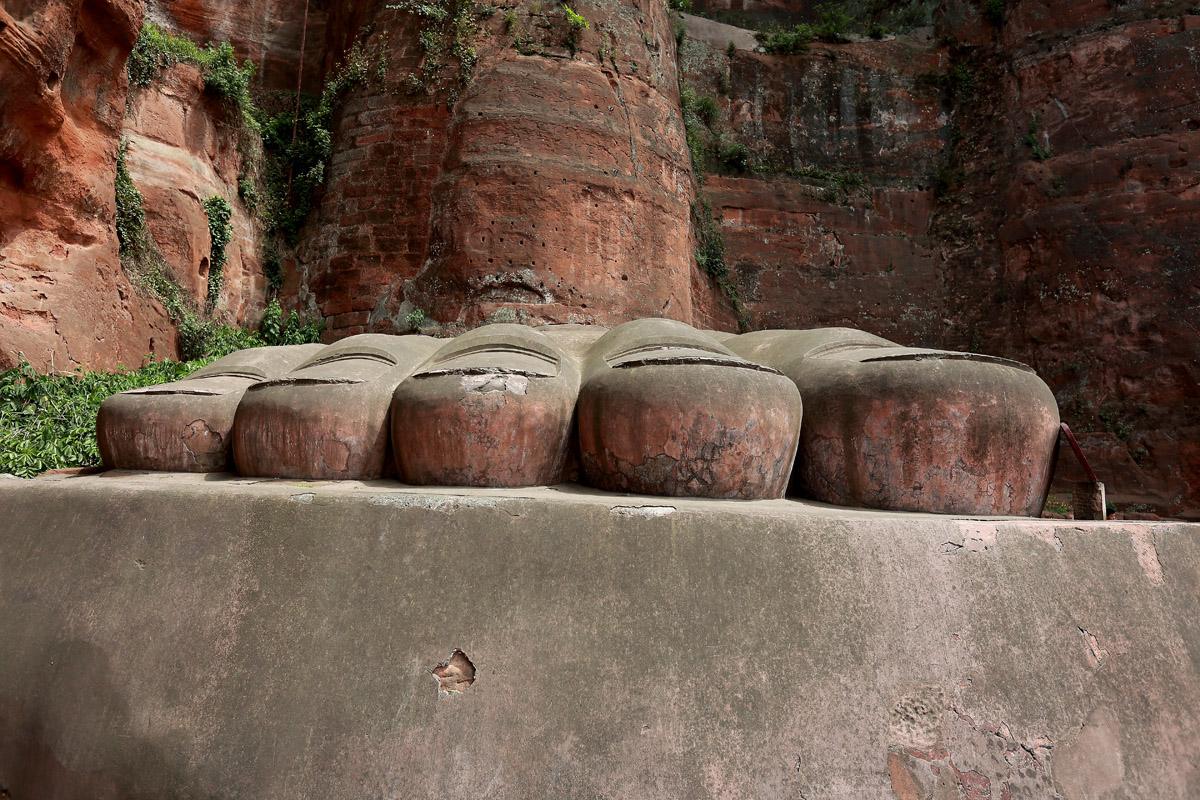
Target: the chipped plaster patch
pixel 643 511
pixel 495 382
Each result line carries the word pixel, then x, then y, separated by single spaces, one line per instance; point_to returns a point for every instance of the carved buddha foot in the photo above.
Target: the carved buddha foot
pixel 493 407
pixel 665 409
pixel 328 418
pixel 910 429
pixel 184 426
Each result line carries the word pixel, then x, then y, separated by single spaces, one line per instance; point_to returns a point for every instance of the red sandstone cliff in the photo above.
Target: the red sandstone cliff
pixel 64 299
pixel 556 187
pixel 1024 186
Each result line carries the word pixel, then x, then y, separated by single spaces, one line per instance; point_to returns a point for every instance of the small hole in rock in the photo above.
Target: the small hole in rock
pixel 455 674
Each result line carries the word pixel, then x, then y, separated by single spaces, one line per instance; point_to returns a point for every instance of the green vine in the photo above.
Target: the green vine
pixel 710 257
pixel 298 149
pixel 220 232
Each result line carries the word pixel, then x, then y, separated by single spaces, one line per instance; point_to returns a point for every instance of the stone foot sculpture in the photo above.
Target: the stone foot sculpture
pixel 327 419
pixel 184 426
pixel 909 429
pixel 493 407
pixel 667 410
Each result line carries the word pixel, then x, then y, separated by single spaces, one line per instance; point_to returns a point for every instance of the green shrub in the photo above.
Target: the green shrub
pixel 733 155
pixel 295 165
pixel 786 41
pixel 833 23
pixel 131 214
pixel 155 50
pixel 447 37
pixel 415 319
pixel 710 256
pixel 49 421
pixel 1037 141
pixel 576 25
pixel 679 5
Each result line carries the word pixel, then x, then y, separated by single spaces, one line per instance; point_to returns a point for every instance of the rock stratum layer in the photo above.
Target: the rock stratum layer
pixel 1023 185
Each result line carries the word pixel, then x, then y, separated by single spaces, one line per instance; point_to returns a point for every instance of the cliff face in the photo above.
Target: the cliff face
pixel 1073 238
pixel 182 148
pixel 556 188
pixel 64 300
pixel 1024 186
pixel 1020 183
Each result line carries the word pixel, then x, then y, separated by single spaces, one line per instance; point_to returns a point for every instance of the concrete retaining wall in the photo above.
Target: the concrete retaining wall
pixel 177 636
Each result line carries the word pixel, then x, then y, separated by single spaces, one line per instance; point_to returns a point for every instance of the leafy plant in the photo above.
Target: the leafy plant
pixel 576 25
pixel 131 215
pixel 710 256
pixel 833 23
pixel 447 38
pixel 298 148
pixel 415 318
pixel 155 50
pixel 787 41
pixel 49 421
pixel 1037 141
pixel 220 232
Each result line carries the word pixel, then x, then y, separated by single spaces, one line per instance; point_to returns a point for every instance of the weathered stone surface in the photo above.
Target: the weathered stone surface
pixel 911 429
pixel 1077 257
pixel 185 426
pixel 64 301
pixel 666 409
pixel 183 147
pixel 267 32
pixel 328 418
pixel 266 640
pixel 493 407
pixel 1088 242
pixel 555 189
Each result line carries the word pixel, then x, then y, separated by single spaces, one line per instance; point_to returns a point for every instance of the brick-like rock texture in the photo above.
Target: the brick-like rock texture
pixel 556 188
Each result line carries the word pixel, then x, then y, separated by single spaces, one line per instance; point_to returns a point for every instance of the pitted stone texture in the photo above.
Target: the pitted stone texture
pixel 328 418
pixel 555 189
pixel 667 410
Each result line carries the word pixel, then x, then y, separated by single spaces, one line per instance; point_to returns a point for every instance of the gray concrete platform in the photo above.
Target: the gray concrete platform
pixel 212 637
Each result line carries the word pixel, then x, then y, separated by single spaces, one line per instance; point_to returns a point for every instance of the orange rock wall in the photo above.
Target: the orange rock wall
pixel 64 300
pixel 183 149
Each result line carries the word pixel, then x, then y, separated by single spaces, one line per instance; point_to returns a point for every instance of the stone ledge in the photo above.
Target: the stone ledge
pixel 169 635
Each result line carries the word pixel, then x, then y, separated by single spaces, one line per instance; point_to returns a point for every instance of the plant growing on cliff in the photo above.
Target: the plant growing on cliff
pixel 155 50
pixel 220 232
pixel 131 216
pixel 710 256
pixel 298 147
pixel 1038 141
pixel 787 41
pixel 576 25
pixel 447 39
